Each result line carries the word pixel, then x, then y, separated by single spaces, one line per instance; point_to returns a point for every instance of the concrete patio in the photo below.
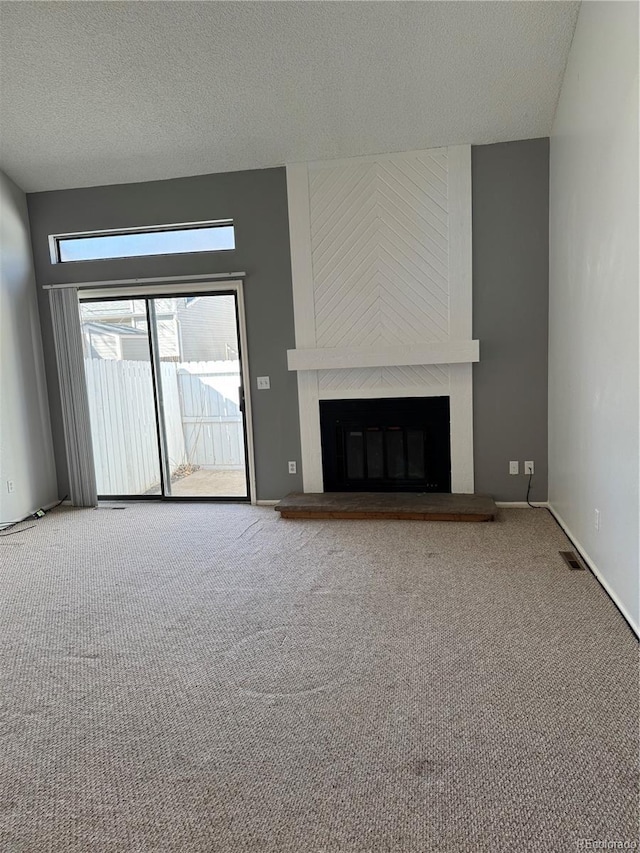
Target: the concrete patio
pixel 209 483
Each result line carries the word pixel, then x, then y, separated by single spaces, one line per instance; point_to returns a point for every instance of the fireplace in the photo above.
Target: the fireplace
pixel 386 445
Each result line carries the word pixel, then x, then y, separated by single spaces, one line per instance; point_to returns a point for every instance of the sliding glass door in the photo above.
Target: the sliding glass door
pixel 119 373
pixel 200 389
pixel 165 392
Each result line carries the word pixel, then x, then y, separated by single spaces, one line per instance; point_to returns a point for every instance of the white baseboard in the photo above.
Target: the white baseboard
pixel 583 553
pixel 267 503
pixel 522 504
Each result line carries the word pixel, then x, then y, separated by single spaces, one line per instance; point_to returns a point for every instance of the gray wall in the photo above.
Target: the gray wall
pixel 510 185
pixel 26 454
pixel 257 203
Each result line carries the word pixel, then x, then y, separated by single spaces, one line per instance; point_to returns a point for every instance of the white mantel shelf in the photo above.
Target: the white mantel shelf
pixel 443 352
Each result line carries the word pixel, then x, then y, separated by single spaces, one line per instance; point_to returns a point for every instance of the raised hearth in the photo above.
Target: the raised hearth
pixel 371 505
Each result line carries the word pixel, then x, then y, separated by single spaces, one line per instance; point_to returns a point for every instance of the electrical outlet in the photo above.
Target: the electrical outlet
pixel 596 519
pixel 11 486
pixel 264 383
pixel 528 467
pixel 514 467
pixel 293 467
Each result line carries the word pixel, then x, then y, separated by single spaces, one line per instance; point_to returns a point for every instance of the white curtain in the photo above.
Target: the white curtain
pixel 65 317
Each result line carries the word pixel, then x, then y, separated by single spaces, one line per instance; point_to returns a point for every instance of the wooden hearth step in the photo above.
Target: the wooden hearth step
pixel 388 505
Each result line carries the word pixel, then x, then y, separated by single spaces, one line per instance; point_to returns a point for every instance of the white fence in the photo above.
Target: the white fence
pixel 202 419
pixel 210 411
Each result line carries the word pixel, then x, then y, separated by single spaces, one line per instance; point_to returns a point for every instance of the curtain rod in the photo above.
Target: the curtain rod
pixel 84 285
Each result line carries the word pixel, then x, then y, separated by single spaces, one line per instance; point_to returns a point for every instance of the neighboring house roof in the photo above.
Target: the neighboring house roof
pixel 113 329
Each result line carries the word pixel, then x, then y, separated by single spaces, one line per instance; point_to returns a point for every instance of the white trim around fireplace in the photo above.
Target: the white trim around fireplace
pixel 304 320
pixel 308 359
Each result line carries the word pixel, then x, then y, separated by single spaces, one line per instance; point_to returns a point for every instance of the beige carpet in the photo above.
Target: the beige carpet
pixel 198 678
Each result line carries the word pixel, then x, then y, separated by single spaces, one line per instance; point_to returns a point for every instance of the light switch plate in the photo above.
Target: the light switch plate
pixel 264 383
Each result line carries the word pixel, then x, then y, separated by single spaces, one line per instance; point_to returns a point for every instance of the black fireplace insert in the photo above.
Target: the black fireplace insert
pixel 386 445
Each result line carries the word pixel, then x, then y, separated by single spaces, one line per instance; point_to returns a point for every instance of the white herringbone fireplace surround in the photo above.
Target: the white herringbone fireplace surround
pixel 381 264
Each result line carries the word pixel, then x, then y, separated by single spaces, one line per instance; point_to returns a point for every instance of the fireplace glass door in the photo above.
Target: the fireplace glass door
pixel 386 445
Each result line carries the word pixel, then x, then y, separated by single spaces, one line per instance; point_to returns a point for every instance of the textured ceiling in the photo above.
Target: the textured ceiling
pixel 109 92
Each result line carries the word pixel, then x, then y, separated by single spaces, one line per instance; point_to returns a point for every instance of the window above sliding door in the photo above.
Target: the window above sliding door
pixel 185 238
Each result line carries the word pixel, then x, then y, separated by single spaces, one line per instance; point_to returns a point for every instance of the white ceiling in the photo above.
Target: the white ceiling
pixel 110 92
